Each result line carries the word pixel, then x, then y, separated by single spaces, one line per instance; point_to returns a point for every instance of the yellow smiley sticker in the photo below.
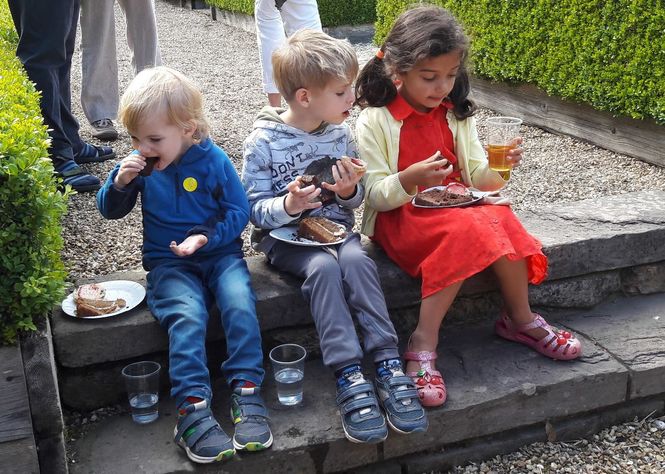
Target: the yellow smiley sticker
pixel 190 184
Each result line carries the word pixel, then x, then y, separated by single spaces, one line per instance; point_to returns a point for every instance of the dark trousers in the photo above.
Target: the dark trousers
pixel 47 34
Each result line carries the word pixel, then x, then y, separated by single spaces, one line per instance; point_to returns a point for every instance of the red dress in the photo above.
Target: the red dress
pixel 444 246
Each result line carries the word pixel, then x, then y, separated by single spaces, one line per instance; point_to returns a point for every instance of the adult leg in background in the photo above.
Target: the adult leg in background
pixel 99 65
pixel 47 34
pixel 274 19
pixel 142 37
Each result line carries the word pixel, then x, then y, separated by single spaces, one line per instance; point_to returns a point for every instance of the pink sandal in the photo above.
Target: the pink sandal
pixel 429 382
pixel 559 345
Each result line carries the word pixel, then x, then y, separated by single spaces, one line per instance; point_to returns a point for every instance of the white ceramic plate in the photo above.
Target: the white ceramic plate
pixel 289 234
pixel 130 291
pixel 475 195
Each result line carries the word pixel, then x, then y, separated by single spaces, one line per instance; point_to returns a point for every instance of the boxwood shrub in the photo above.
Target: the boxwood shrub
pixel 332 12
pixel 610 55
pixel 31 207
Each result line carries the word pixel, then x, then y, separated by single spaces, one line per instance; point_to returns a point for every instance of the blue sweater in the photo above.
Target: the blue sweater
pixel 201 194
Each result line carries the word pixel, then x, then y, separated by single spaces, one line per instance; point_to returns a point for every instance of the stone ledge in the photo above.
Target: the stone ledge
pixel 495 387
pixel 587 243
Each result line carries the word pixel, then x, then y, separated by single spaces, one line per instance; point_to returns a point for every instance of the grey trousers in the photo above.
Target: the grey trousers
pixel 336 289
pixel 99 65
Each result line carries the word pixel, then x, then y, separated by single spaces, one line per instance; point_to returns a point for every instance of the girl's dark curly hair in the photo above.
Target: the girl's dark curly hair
pixel 419 33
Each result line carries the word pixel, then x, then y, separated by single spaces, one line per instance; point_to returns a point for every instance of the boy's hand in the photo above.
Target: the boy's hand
pixel 299 198
pixel 427 173
pixel 130 167
pixel 188 246
pixel 346 179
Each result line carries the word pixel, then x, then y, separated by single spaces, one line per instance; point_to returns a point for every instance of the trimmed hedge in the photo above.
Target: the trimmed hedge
pixel 610 55
pixel 332 12
pixel 31 207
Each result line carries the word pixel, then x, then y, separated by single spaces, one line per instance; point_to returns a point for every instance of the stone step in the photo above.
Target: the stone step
pixel 596 248
pixel 501 395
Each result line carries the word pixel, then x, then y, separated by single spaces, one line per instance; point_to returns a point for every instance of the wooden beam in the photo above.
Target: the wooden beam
pixel 642 139
pixel 18 453
pixel 19 457
pixel 15 420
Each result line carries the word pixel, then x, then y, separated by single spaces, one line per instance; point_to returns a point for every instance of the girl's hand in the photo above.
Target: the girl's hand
pixel 514 156
pixel 130 167
pixel 346 179
pixel 188 246
pixel 426 173
pixel 299 198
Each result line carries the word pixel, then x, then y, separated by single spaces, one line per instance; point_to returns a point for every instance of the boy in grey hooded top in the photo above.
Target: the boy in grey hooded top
pixel 314 74
pixel 275 155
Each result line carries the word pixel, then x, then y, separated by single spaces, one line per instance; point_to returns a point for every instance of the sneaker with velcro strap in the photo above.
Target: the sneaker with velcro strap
pixel 399 398
pixel 199 434
pixel 362 419
pixel 250 418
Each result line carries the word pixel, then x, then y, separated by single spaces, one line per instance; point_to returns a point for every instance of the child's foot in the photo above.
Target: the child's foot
pixel 199 434
pixel 428 380
pixel 250 417
pixel 362 419
pixel 540 336
pixel 399 398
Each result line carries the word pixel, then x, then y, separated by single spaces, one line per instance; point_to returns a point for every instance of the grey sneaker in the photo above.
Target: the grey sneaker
pixel 362 419
pixel 199 434
pixel 399 398
pixel 250 417
pixel 104 129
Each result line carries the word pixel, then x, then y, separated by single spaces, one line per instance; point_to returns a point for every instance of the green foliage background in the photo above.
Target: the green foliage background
pixel 609 54
pixel 31 207
pixel 332 12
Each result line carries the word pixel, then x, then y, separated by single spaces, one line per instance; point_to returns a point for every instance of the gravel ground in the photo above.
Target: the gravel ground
pixel 224 62
pixel 635 447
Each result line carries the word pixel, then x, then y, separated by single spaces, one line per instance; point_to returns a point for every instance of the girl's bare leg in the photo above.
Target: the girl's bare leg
pixel 432 311
pixel 513 280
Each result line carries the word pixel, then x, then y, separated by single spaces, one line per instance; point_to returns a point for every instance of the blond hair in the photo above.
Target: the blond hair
pixel 310 59
pixel 162 89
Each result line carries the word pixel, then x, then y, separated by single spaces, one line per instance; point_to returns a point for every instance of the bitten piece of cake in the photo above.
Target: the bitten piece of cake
pixel 321 230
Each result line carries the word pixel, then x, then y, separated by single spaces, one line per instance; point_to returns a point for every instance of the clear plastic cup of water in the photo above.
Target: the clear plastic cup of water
pixel 288 363
pixel 142 383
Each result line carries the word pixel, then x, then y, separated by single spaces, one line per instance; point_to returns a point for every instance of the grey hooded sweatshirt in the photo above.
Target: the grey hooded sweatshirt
pixel 274 155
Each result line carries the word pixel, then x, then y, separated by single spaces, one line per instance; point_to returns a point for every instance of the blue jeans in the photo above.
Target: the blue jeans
pixel 179 294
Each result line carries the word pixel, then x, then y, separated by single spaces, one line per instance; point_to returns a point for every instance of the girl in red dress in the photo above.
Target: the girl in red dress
pixel 417 131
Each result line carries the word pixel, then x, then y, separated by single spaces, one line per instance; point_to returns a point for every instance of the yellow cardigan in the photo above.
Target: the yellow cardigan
pixel 377 135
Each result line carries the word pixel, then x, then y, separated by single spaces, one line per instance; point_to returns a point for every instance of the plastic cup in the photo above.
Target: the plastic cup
pixel 288 363
pixel 142 383
pixel 501 133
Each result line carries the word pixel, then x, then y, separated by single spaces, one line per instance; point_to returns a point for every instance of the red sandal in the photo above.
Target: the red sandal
pixel 559 345
pixel 429 382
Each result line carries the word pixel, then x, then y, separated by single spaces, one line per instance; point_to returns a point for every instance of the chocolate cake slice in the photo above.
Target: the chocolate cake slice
pixel 320 229
pixel 441 197
pixel 317 172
